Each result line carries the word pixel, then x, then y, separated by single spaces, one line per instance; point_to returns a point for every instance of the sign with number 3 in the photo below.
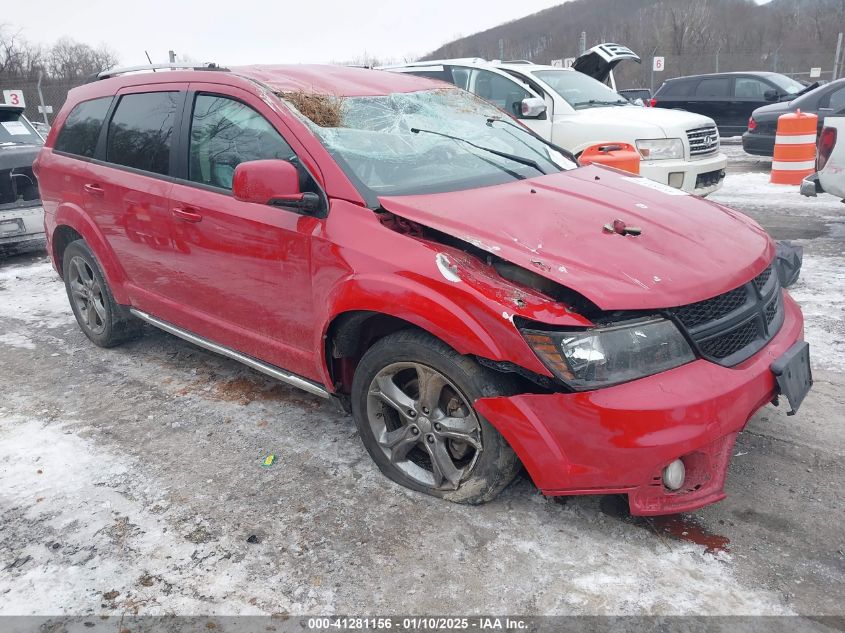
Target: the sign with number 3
pixel 14 97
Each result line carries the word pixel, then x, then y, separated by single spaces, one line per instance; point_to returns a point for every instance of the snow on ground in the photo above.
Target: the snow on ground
pixel 821 293
pixel 754 188
pixel 93 521
pixel 31 295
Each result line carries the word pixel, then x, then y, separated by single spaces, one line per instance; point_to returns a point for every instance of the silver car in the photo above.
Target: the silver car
pixel 21 214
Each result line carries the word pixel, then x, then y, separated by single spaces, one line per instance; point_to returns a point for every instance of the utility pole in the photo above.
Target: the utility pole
pixel 41 99
pixel 501 50
pixel 582 43
pixel 836 57
pixel 717 58
pixel 654 50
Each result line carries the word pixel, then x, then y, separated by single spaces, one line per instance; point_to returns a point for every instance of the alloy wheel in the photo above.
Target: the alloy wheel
pixel 424 425
pixel 87 294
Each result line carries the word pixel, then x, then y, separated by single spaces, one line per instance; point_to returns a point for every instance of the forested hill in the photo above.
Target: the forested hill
pixel 694 36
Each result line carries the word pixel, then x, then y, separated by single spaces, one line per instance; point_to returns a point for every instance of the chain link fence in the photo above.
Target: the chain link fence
pixel 54 92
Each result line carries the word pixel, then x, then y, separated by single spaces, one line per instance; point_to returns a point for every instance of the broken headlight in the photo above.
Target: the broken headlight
pixel 604 356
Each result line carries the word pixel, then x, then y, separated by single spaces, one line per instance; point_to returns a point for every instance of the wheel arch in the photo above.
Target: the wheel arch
pixel 72 223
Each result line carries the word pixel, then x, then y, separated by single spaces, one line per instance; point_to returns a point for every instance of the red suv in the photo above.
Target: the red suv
pixel 479 301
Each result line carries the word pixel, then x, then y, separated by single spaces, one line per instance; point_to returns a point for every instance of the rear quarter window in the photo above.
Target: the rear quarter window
pixel 676 89
pixel 141 131
pixel 81 129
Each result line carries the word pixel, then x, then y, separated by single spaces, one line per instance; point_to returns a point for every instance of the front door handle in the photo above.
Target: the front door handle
pixel 94 190
pixel 186 214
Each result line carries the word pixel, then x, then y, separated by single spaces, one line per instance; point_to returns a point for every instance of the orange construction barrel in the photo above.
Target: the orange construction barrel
pixel 619 155
pixel 795 148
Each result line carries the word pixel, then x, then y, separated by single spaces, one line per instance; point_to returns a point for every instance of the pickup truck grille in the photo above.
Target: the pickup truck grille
pixel 735 325
pixel 703 140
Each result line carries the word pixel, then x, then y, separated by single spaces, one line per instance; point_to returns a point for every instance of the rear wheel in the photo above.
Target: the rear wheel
pixel 99 317
pixel 412 402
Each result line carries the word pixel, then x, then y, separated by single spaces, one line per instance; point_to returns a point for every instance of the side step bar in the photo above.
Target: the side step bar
pixel 270 370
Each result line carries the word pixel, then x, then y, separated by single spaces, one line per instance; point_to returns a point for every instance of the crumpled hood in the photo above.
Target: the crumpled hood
pixel 673 123
pixel 689 250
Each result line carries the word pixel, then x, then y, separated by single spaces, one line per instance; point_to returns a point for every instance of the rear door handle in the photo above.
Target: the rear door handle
pixel 94 190
pixel 186 214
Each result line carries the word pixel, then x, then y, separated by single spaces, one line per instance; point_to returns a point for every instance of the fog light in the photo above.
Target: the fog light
pixel 676 179
pixel 674 474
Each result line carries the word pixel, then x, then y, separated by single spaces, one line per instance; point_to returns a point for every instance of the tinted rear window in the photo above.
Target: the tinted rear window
pixel 677 89
pixel 82 127
pixel 714 88
pixel 141 131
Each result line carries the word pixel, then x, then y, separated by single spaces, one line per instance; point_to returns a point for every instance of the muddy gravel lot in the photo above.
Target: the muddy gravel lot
pixel 131 481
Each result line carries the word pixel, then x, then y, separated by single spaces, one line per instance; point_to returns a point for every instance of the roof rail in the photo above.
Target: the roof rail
pixel 114 72
pixel 518 61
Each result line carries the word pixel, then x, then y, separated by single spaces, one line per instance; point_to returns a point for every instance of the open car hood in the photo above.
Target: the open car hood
pixel 689 249
pixel 600 60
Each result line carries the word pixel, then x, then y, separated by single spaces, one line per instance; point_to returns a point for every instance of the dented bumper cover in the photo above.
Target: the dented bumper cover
pixel 619 439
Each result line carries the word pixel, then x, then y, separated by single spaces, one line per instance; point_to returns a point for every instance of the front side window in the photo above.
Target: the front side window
pixel 428 141
pixel 140 133
pixel 226 133
pixel 504 92
pixel 713 88
pixel 579 90
pixel 750 88
pixel 81 130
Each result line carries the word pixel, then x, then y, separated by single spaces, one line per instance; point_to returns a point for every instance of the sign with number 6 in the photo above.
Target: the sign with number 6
pixel 14 97
pixel 659 64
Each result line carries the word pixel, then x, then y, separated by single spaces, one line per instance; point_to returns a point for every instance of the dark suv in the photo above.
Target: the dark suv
pixel 727 98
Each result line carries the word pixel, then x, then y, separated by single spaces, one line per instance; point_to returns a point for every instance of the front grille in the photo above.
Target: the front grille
pixel 703 140
pixel 712 309
pixel 727 344
pixel 733 326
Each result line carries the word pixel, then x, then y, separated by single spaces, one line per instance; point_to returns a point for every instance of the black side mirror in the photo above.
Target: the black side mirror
pixel 771 95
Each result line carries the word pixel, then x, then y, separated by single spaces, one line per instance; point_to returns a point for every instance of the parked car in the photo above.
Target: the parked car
pixel 825 100
pixel 21 215
pixel 727 98
pixel 575 111
pixel 42 128
pixel 477 300
pixel 637 96
pixel 830 161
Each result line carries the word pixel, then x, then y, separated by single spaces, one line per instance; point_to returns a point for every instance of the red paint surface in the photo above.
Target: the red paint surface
pixel 269 282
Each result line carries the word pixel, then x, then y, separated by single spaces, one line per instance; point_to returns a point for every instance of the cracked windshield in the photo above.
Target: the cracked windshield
pixel 429 141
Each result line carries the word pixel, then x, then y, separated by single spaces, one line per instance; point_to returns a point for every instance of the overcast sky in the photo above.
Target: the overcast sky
pixel 255 31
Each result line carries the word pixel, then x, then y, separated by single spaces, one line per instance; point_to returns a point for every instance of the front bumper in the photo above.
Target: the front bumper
pixel 811 186
pixel 21 224
pixel 710 169
pixel 619 439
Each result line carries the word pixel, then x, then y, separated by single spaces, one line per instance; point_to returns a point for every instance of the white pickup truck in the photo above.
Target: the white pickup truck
pixel 574 110
pixel 830 161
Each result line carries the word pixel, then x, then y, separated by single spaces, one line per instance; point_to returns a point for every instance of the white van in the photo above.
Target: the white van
pixel 575 111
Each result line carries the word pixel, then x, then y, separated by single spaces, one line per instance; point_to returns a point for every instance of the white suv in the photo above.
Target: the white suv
pixel 575 111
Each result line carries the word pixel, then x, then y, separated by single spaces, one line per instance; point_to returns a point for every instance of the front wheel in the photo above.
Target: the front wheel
pixel 412 401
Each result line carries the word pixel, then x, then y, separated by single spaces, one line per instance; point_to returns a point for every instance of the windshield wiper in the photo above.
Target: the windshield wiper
pixel 517 159
pixel 593 102
pixel 565 152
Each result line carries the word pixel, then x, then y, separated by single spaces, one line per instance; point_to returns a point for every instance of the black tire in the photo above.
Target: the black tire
pixel 100 318
pixel 486 472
